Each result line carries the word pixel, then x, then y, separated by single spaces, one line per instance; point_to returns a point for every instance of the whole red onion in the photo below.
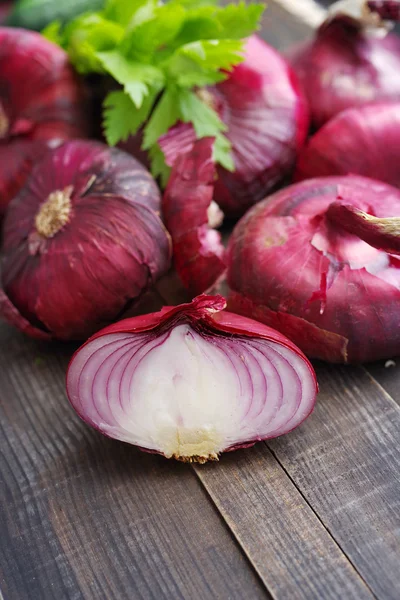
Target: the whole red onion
pixel 362 141
pixel 349 63
pixel 82 241
pixel 267 120
pixel 325 277
pixel 41 100
pixel 190 215
pixel 191 381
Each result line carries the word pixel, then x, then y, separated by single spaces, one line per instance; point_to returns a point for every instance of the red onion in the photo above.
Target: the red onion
pixel 362 141
pixel 40 100
pixel 190 215
pixel 267 122
pixel 82 241
pixel 322 274
pixel 349 63
pixel 388 10
pixel 191 381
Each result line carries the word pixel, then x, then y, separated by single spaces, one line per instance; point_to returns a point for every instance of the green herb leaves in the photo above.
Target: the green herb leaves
pixel 160 55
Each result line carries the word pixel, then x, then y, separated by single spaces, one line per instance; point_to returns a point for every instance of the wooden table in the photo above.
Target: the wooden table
pixel 313 515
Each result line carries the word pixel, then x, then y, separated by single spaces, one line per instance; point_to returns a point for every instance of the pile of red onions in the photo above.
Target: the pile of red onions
pixel 362 141
pixel 267 122
pixel 319 262
pixel 41 103
pixel 82 242
pixel 352 61
pixel 191 381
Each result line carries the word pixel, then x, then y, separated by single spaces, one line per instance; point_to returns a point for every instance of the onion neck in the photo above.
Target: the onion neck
pixel 55 213
pixel 380 233
pixel 362 14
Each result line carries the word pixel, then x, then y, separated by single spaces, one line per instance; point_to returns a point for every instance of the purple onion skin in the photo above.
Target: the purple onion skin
pixel 362 141
pixel 295 269
pixel 197 248
pixel 67 274
pixel 41 101
pixel 344 67
pixel 100 370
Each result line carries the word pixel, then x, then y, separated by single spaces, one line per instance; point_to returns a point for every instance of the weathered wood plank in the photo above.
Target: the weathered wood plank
pixel 86 517
pixel 291 550
pixel 387 373
pixel 346 462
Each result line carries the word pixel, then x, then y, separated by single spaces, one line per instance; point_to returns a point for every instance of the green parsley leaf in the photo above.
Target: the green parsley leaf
pixel 121 118
pixel 158 167
pixel 161 54
pixel 127 12
pixel 164 116
pixel 238 21
pixel 53 33
pixel 87 35
pixel 222 152
pixel 214 54
pixel 205 120
pixel 144 39
pixel 135 77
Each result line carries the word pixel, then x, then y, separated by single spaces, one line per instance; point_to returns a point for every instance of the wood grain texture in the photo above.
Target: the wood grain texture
pixel 291 550
pixel 387 373
pixel 83 516
pixel 346 461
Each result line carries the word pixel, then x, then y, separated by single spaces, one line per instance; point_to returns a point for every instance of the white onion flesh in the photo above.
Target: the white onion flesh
pixel 186 393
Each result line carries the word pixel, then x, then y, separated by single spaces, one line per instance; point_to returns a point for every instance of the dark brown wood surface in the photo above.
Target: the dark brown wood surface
pixel 312 515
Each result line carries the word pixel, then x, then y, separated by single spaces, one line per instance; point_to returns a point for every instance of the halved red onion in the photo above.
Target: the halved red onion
pixel 319 262
pixel 41 102
pixel 190 215
pixel 358 141
pixel 191 381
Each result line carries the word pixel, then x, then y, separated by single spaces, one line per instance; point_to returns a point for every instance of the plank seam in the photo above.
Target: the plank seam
pixel 381 388
pixel 335 541
pixel 243 549
pixel 196 469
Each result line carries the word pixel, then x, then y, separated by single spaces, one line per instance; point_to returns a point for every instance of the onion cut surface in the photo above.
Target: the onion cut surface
pixel 191 381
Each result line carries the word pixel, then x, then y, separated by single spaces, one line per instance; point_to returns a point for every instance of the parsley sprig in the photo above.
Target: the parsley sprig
pixel 160 54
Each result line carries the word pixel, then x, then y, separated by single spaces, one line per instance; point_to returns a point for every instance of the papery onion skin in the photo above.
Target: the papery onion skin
pixel 293 268
pixel 101 370
pixel 359 141
pixel 344 67
pixel 82 241
pixel 41 100
pixel 197 247
pixel 267 119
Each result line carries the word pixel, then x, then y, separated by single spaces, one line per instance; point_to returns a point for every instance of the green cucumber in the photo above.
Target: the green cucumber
pixel 36 14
